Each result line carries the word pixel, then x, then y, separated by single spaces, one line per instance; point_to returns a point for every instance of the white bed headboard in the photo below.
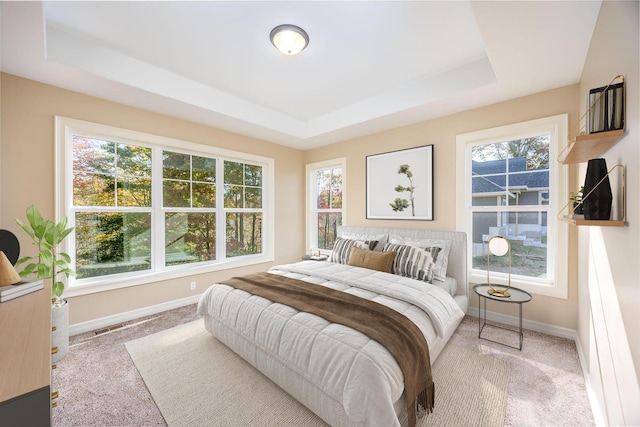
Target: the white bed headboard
pixel 457 266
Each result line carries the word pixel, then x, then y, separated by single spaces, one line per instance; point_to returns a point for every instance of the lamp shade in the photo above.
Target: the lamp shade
pixel 289 39
pixel 499 246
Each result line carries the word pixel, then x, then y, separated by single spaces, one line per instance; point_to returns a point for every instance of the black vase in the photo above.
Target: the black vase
pixel 598 204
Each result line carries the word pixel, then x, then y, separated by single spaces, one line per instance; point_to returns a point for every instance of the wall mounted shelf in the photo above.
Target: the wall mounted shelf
pixel 603 222
pixel 605 111
pixel 600 223
pixel 590 146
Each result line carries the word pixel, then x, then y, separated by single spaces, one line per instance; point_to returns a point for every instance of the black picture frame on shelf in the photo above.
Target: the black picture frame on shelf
pixel 606 108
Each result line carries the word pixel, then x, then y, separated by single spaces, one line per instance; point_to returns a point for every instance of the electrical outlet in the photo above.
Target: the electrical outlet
pixel 193 286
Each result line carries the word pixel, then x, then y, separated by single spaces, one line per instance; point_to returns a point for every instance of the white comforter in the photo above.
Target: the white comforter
pixel 339 362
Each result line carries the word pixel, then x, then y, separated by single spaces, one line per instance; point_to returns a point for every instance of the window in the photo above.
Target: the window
pixel 511 185
pixel 325 203
pixel 189 207
pixel 243 204
pixel 147 208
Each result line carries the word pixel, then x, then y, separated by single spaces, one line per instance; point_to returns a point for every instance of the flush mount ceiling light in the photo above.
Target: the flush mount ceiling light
pixel 289 39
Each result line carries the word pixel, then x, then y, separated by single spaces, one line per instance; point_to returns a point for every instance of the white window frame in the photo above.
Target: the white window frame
pixel 66 127
pixel 312 210
pixel 557 231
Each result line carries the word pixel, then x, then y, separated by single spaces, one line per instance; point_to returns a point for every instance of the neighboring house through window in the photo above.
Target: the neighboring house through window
pixel 511 185
pixel 325 203
pixel 147 208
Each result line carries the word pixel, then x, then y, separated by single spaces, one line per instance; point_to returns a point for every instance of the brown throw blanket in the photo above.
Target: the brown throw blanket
pixel 399 335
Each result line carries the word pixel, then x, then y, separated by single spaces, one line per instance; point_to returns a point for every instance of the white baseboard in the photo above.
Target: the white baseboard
pixel 545 328
pixel 92 325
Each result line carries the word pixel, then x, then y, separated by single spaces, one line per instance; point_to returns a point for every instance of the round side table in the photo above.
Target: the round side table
pixel 517 296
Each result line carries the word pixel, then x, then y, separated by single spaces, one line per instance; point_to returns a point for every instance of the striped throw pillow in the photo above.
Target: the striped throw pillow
pixel 412 262
pixel 342 249
pixel 439 249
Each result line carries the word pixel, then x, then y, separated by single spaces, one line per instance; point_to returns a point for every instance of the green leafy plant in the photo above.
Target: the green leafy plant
pixel 577 197
pixel 399 204
pixel 47 236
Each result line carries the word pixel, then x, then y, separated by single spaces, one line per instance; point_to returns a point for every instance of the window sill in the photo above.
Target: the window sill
pixel 111 283
pixel 537 288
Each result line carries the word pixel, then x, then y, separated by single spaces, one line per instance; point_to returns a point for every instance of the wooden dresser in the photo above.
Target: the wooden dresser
pixel 25 359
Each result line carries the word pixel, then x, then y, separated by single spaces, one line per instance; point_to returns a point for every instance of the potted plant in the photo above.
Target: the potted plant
pixel 47 235
pixel 576 198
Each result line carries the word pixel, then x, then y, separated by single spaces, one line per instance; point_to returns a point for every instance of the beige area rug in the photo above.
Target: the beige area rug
pixel 197 381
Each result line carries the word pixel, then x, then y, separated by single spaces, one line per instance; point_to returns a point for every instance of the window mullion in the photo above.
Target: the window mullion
pixel 158 212
pixel 220 211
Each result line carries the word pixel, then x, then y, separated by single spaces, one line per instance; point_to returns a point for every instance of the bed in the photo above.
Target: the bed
pixel 339 373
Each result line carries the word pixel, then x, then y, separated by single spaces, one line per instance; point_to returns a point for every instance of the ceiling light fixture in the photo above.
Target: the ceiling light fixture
pixel 289 39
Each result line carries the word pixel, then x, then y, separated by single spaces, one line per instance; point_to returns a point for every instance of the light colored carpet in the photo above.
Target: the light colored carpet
pixel 195 380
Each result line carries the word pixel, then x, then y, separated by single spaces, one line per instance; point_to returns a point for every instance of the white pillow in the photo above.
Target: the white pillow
pixel 450 285
pixel 439 249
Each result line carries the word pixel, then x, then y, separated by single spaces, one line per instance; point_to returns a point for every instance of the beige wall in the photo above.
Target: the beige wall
pixel 442 134
pixel 609 302
pixel 28 110
pixel 27 177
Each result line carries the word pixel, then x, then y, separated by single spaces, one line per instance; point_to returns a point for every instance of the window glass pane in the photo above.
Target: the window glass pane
pixel 93 190
pixel 134 192
pixel 253 197
pixel 93 172
pixel 514 173
pixel 323 189
pixel 204 169
pixel 527 233
pixel 133 161
pixel 336 188
pixel 233 196
pixel 328 223
pixel 244 234
pixel 133 176
pixel 176 194
pixel 189 237
pixel 204 195
pixel 176 165
pixel 93 155
pixel 111 243
pixel 253 175
pixel 233 173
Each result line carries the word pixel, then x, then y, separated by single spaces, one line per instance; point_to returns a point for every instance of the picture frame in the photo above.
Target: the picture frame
pixel 400 184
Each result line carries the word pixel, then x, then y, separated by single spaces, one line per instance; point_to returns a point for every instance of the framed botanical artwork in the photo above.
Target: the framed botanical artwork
pixel 400 184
